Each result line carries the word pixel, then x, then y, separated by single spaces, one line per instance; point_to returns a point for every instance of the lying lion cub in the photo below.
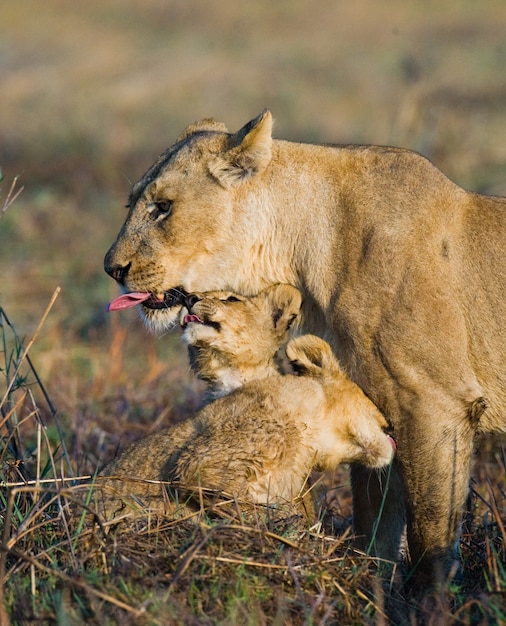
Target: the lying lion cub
pixel 262 438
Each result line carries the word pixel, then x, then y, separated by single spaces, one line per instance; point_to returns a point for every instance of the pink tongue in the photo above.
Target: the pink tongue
pixel 394 445
pixel 127 300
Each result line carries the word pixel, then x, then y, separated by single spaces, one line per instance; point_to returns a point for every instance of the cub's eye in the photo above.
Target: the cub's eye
pixel 232 299
pixel 161 209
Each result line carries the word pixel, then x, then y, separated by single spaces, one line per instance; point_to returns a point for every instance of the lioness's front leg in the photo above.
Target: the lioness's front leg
pixel 437 483
pixel 379 511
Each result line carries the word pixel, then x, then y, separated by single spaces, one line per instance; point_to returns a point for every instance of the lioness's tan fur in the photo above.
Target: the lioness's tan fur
pixel 401 270
pixel 261 441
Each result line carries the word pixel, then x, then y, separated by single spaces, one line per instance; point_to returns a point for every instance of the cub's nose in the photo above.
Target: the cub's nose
pixel 118 272
pixel 190 300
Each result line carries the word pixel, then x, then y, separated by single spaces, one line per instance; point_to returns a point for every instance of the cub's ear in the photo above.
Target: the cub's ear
pixel 207 125
pixel 249 152
pixel 310 356
pixel 284 302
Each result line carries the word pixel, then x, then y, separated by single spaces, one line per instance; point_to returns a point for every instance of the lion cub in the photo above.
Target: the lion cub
pixel 265 432
pixel 232 339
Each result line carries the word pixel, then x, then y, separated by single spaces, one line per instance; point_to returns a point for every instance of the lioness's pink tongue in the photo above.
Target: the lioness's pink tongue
pixel 127 300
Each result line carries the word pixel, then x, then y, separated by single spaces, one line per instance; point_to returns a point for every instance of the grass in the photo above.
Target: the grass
pixel 61 563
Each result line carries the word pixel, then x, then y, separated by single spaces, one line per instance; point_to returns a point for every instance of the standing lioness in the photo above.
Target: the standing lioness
pixel 400 269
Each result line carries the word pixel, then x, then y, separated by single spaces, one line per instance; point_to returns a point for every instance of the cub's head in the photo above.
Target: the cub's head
pixel 195 222
pixel 351 428
pixel 232 339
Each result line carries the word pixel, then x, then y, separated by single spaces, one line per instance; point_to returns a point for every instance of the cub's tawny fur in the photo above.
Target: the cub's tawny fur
pixel 261 440
pixel 401 270
pixel 240 337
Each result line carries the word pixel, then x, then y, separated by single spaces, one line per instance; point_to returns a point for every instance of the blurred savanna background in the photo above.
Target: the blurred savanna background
pixel 92 92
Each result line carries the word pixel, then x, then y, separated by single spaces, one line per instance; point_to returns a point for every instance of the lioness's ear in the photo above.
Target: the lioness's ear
pixel 284 302
pixel 249 154
pixel 309 355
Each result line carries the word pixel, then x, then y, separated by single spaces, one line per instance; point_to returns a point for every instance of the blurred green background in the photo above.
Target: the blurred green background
pixel 92 92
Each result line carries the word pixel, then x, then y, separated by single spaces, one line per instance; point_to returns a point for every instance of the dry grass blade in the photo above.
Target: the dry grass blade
pixel 45 481
pixel 241 562
pixel 12 194
pixel 8 415
pixel 495 511
pixel 30 344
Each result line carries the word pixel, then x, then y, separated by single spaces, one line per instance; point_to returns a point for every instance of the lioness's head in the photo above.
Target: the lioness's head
pixel 190 227
pixel 232 339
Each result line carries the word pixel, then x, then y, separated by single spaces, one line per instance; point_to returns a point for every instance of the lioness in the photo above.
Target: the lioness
pixel 260 440
pixel 400 269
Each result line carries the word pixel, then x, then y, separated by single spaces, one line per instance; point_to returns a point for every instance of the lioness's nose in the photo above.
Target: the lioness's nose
pixel 118 272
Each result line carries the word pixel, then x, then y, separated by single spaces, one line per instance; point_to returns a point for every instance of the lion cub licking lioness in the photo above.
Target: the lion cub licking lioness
pixel 264 431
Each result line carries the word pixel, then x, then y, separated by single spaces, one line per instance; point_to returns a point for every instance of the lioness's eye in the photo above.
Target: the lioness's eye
pixel 162 208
